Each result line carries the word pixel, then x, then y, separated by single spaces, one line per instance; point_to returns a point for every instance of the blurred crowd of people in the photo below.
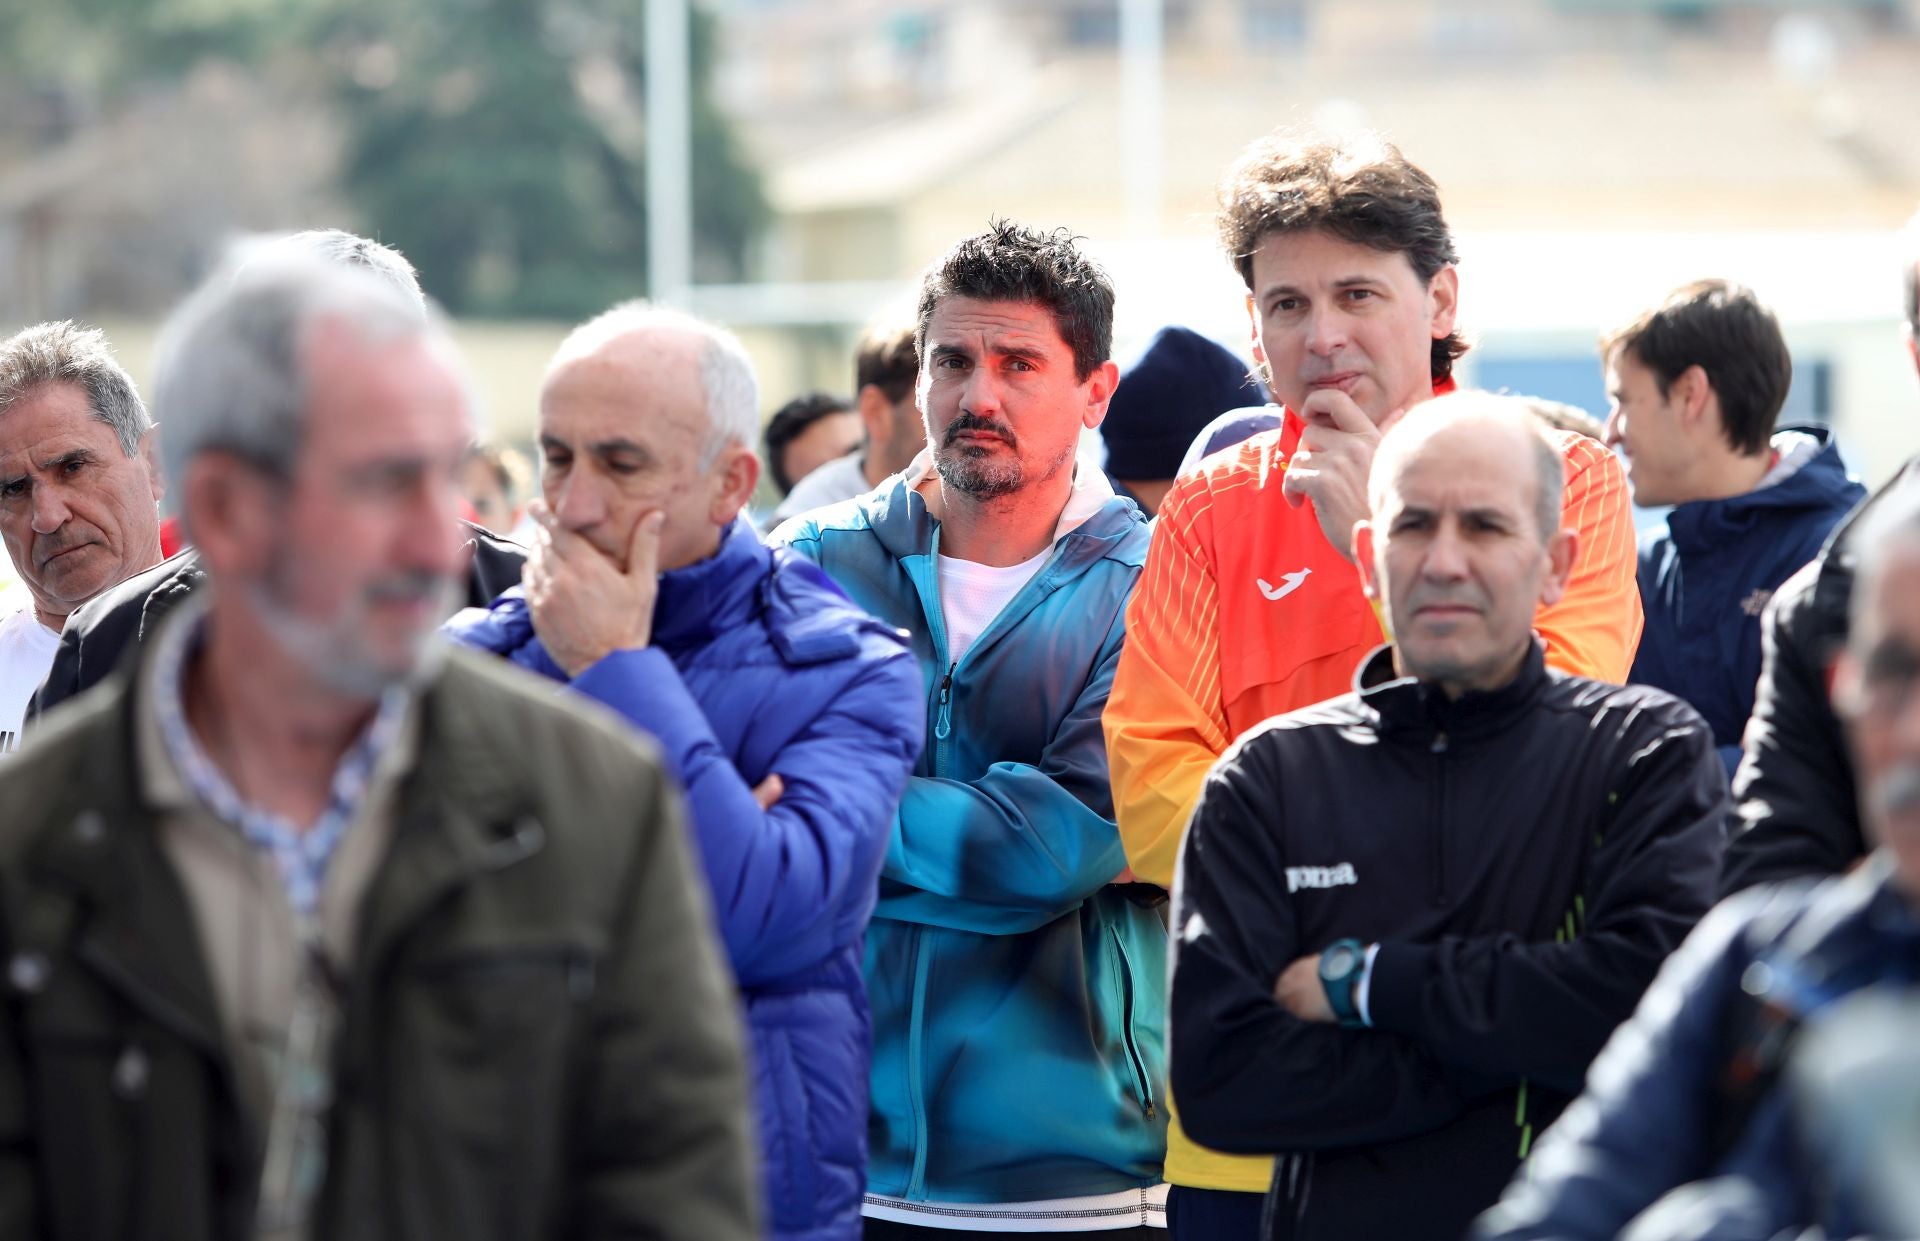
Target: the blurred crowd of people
pixel 1309 815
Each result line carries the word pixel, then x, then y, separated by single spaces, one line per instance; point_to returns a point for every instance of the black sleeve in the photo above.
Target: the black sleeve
pixel 1500 1004
pixel 1796 813
pixel 495 565
pixel 1248 1075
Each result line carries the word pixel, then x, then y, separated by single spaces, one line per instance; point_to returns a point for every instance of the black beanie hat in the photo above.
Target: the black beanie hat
pixel 1180 382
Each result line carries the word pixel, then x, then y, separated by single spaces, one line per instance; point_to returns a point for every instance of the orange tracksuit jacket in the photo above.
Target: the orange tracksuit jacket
pixel 1245 611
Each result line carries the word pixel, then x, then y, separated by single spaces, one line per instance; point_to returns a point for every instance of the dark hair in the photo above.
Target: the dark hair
pixel 1008 263
pixel 887 359
pixel 787 425
pixel 1361 190
pixel 1722 328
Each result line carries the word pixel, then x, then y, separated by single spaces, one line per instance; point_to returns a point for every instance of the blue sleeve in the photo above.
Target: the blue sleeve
pixel 1019 846
pixel 1641 1128
pixel 793 883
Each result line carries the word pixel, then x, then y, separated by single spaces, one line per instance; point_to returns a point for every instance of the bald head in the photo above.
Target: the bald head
pixel 1463 543
pixel 644 410
pixel 1504 426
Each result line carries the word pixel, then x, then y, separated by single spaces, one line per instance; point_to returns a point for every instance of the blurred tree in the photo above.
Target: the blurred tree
pixel 499 143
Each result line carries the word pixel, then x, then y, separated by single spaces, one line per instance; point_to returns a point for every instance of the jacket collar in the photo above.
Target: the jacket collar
pixel 712 595
pixel 1810 475
pixel 904 521
pixel 1407 704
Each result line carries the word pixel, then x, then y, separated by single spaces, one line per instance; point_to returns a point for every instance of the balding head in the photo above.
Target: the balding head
pixel 1463 543
pixel 1504 419
pixel 646 409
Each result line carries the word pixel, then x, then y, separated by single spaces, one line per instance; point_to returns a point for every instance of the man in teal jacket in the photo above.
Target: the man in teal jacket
pixel 1018 994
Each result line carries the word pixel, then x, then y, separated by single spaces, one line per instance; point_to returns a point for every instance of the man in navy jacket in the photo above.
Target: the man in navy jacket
pixel 1407 918
pixel 1696 384
pixel 791 717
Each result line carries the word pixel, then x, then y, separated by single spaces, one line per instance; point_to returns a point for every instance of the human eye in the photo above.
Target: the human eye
pixel 949 362
pixel 13 488
pixel 1285 305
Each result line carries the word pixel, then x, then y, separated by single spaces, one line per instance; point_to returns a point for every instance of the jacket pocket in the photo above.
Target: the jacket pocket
pixel 480 1050
pixel 1136 1060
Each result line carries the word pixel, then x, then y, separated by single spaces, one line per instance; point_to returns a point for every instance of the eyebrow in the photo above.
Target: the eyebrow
pixel 599 448
pixel 1344 282
pixel 73 456
pixel 1027 353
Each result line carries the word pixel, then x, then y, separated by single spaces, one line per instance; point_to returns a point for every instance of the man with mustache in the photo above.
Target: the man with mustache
pixel 312 928
pixel 1691 1124
pixel 1017 1010
pixel 78 493
pixel 1407 918
pixel 1250 604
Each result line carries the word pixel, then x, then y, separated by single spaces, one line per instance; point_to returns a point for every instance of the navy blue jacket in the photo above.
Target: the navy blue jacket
pixel 760 665
pixel 1706 577
pixel 1646 1126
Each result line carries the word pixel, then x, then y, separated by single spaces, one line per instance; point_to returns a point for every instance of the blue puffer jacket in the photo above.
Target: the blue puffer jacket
pixel 1019 998
pixel 759 664
pixel 1690 1115
pixel 1706 576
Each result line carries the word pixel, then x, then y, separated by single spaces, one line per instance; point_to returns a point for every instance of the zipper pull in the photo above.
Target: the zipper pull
pixel 944 726
pixel 1439 745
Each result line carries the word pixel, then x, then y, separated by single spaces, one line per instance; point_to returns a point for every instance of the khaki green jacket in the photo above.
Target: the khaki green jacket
pixel 539 1039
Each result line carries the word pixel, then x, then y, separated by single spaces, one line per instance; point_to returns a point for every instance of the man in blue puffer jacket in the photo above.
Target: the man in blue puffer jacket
pixel 788 714
pixel 1019 995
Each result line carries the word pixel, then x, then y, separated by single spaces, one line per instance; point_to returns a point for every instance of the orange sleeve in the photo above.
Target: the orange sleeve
pixel 1594 630
pixel 1163 721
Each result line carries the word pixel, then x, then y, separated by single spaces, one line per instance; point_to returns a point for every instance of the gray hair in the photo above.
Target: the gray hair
pixel 1550 471
pixel 338 247
pixel 66 352
pixel 726 372
pixel 229 374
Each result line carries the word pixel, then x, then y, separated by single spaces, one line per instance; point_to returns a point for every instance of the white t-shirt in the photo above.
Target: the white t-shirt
pixel 971 595
pixel 26 652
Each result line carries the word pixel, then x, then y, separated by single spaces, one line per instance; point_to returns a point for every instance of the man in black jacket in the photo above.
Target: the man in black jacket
pixel 1407 918
pixel 1794 792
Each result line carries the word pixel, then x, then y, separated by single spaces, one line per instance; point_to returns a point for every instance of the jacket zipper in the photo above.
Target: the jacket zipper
pixel 916 1094
pixel 1135 1060
pixel 943 726
pixel 1439 750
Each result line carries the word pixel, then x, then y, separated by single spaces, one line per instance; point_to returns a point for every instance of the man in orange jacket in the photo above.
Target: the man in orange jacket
pixel 1250 604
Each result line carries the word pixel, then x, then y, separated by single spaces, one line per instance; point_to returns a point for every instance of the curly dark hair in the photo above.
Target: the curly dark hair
pixel 1009 263
pixel 1361 190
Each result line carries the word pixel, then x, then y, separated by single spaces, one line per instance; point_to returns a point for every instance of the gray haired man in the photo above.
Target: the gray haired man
pixel 95 640
pixel 313 930
pixel 78 493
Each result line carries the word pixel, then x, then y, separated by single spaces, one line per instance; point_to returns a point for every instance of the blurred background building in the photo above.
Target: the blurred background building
pixel 1591 154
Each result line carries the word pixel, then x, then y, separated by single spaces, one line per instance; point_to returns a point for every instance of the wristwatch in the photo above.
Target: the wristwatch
pixel 1340 966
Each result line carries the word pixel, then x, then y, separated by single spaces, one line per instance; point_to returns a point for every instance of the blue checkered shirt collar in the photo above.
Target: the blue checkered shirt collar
pixel 300 857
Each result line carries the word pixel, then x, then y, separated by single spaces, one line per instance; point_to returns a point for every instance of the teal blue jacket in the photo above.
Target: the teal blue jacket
pixel 1019 998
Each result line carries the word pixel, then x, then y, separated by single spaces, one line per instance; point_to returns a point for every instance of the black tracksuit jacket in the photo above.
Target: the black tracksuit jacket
pixel 1525 858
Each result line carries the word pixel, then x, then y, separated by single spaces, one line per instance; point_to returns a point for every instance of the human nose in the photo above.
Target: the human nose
pixel 578 503
pixel 1446 558
pixel 1613 433
pixel 1326 329
pixel 50 510
pixel 981 392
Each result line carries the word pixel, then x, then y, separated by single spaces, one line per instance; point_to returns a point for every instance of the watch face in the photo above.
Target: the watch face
pixel 1338 961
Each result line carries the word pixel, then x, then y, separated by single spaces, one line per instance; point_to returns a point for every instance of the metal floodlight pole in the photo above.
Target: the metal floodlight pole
pixel 669 160
pixel 1142 43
